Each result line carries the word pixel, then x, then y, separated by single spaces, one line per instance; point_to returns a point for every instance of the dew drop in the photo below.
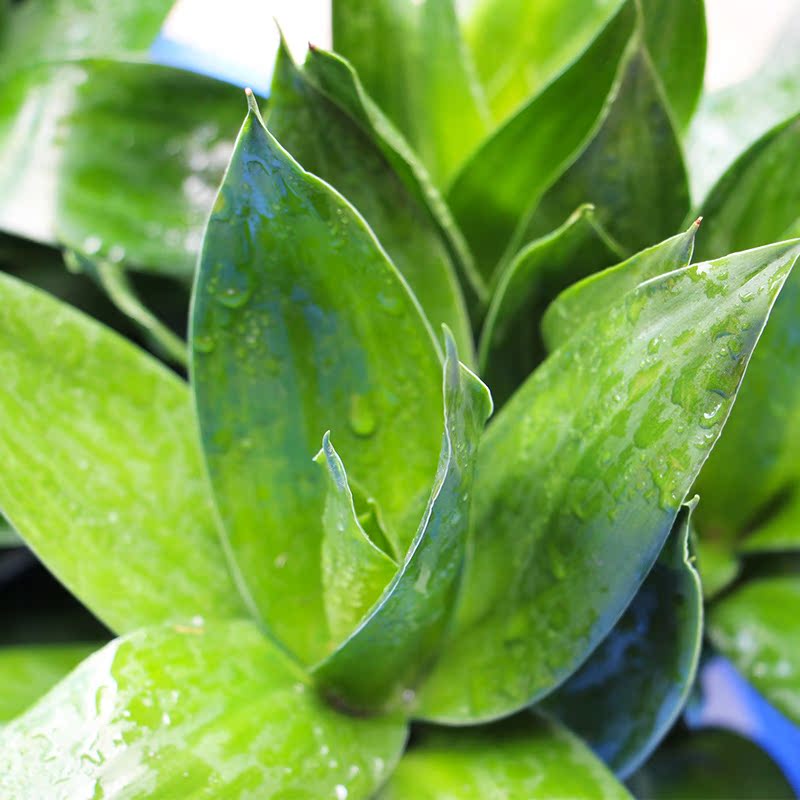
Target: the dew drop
pixel 363 421
pixel 203 344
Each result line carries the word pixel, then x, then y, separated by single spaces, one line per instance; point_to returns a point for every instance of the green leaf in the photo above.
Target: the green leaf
pixel 717 564
pixel 355 571
pixel 583 471
pixel 525 757
pixel 26 673
pixel 632 170
pixel 100 457
pixel 71 130
pixel 780 532
pixel 626 697
pixel 595 295
pixel 8 536
pixel 404 630
pixel 758 628
pixel 332 144
pixel 713 765
pixel 505 177
pixel 188 711
pixel 412 60
pixel 511 344
pixel 300 325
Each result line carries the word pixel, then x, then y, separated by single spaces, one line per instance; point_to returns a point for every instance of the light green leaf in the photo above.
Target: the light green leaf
pixel 412 60
pixel 717 564
pixel 404 630
pixel 583 471
pixel 524 757
pixel 758 628
pixel 329 142
pixel 712 765
pixel 355 571
pixel 506 176
pixel 26 673
pixel 102 474
pixel 593 296
pixel 511 343
pixel 301 324
pixel 626 697
pixel 779 532
pixel 187 711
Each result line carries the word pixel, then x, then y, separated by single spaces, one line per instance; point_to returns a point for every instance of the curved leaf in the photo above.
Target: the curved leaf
pixel 758 628
pixel 403 632
pixel 626 697
pixel 412 60
pixel 191 711
pixel 779 532
pixel 525 757
pixel 330 143
pixel 101 458
pixel 300 325
pixel 583 471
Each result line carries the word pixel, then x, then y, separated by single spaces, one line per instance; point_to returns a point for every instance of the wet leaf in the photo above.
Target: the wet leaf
pixel 626 697
pixel 102 459
pixel 583 471
pixel 522 757
pixel 404 630
pixel 187 711
pixel 301 325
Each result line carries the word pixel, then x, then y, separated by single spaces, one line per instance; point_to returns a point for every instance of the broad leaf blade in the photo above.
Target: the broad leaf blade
pixel 583 471
pixel 626 697
pixel 100 456
pixel 403 632
pixel 300 325
pixel 778 533
pixel 525 757
pixel 330 143
pixel 187 711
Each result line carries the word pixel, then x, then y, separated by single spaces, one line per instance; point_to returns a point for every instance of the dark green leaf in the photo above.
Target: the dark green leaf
pixel 583 471
pixel 412 60
pixel 505 177
pixel 626 697
pixel 403 632
pixel 300 325
pixel 8 536
pixel 758 628
pixel 329 142
pixel 102 473
pixel 525 757
pixel 712 765
pixel 193 711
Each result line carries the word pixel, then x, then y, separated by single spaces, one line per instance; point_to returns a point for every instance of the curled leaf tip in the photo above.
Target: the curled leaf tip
pixel 697 222
pixel 322 455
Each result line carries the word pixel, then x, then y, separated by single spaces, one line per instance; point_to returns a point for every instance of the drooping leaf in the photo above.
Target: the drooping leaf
pixel 511 343
pixel 583 471
pixel 758 628
pixel 102 474
pixel 525 757
pixel 626 697
pixel 712 765
pixel 300 325
pixel 779 532
pixel 413 62
pixel 505 177
pixel 404 630
pixel 355 571
pixel 595 295
pixel 26 673
pixel 329 142
pixel 191 711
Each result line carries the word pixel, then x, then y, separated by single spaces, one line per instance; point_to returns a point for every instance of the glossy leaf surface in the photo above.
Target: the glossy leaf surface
pixel 403 632
pixel 329 142
pixel 101 458
pixel 505 177
pixel 302 325
pixel 626 697
pixel 523 757
pixel 26 673
pixel 412 60
pixel 758 628
pixel 192 711
pixel 583 471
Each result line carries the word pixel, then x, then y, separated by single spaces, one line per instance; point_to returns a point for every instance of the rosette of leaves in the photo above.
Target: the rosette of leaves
pixel 524 592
